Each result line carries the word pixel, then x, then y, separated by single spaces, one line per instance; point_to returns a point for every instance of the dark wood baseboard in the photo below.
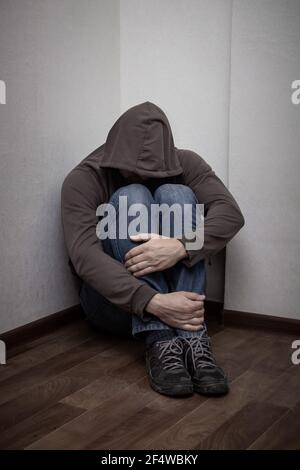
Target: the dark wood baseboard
pixel 266 322
pixel 41 327
pixel 214 311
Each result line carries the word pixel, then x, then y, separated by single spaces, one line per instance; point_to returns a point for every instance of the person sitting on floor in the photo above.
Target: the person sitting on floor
pixel 150 284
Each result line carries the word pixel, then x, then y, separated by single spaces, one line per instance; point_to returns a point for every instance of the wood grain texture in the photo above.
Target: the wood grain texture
pixel 34 376
pixel 242 428
pixel 284 434
pixel 37 425
pixel 74 389
pixel 29 354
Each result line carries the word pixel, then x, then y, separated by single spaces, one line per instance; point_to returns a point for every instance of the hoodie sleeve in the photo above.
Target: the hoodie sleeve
pixel 106 275
pixel 222 215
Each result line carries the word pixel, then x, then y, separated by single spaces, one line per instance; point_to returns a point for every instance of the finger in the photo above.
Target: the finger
pixel 137 250
pixel 189 327
pixel 188 315
pixel 190 309
pixel 194 295
pixel 186 318
pixel 195 321
pixel 145 271
pixel 196 314
pixel 135 260
pixel 138 267
pixel 141 237
pixel 195 305
pixel 199 313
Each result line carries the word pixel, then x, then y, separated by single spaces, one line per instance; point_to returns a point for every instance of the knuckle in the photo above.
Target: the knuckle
pixel 186 309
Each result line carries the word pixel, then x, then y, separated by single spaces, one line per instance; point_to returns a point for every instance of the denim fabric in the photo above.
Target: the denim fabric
pixel 104 314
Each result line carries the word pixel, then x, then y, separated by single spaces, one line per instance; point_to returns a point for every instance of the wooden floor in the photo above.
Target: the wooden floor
pixel 74 389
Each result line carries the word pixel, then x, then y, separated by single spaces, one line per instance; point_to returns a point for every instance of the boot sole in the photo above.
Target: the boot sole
pixel 212 389
pixel 172 392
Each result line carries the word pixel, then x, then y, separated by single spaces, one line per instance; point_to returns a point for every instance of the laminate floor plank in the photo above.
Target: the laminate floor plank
pixel 40 350
pixel 79 432
pixel 73 376
pixel 38 398
pixel 239 431
pixel 37 425
pixel 20 383
pixel 284 434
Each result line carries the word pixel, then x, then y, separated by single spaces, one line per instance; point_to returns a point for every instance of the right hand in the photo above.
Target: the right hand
pixel 184 310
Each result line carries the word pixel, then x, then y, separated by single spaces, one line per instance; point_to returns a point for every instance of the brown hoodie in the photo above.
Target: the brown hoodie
pixel 140 141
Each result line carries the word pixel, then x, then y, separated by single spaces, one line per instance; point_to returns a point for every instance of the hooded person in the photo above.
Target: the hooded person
pixel 140 148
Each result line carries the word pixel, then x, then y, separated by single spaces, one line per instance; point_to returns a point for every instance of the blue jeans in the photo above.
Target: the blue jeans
pixel 103 314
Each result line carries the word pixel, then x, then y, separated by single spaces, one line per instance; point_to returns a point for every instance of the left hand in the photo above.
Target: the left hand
pixel 157 253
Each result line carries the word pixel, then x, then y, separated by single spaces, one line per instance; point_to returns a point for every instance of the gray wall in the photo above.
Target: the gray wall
pixel 60 62
pixel 263 262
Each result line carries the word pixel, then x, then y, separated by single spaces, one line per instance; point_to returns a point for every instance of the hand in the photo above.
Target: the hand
pixel 184 310
pixel 156 254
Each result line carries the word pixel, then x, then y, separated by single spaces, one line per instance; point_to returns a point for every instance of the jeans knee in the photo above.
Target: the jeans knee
pixel 174 193
pixel 135 193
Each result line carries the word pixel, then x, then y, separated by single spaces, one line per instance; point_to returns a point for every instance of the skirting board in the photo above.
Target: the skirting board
pixel 256 320
pixel 40 327
pixel 213 309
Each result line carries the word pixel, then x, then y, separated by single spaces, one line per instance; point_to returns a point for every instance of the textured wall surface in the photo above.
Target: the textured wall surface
pixel 60 62
pixel 262 269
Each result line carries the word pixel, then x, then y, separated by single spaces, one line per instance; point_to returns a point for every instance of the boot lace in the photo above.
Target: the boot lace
pixel 171 354
pixel 200 351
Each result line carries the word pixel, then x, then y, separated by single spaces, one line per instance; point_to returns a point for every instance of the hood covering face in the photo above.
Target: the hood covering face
pixel 141 142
